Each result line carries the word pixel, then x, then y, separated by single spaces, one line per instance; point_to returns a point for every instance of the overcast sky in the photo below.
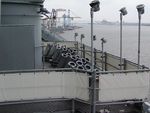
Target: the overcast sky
pixel 109 9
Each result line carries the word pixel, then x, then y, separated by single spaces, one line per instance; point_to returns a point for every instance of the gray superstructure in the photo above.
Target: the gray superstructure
pixel 20 34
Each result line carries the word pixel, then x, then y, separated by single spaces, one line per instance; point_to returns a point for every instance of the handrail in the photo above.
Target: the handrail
pixel 66 69
pixel 73 70
pixel 124 71
pixel 34 101
pixel 87 49
pixel 44 70
pixel 118 102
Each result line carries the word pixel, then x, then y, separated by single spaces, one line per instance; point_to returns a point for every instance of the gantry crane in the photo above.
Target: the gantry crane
pixel 68 18
pixel 53 19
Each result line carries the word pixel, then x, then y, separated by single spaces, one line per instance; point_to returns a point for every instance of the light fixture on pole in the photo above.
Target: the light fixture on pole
pixel 102 42
pixel 123 12
pixel 94 38
pixel 75 39
pixel 140 9
pixel 75 36
pixel 94 8
pixel 82 36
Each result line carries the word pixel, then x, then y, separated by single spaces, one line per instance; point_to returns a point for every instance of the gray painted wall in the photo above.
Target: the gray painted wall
pixel 0 11
pixel 25 14
pixel 36 1
pixel 17 47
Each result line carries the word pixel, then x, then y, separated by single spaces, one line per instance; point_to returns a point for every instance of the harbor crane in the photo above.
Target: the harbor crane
pixel 67 18
pixel 53 19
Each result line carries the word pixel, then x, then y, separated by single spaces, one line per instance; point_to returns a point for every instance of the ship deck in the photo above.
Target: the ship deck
pixel 66 90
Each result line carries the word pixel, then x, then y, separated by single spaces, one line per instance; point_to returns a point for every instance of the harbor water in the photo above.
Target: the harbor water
pixel 111 34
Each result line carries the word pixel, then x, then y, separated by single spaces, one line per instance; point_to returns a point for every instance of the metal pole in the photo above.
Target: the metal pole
pixel 73 106
pixel 76 46
pixel 81 47
pixel 102 56
pixel 83 51
pixel 93 104
pixel 75 38
pixel 0 12
pixel 121 41
pixel 43 57
pixel 139 39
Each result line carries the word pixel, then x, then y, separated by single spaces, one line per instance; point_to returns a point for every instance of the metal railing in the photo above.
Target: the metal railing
pixel 21 74
pixel 109 62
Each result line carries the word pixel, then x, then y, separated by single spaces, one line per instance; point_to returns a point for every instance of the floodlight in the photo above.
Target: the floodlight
pixel 94 37
pixel 82 36
pixel 123 11
pixel 140 8
pixel 95 5
pixel 103 40
pixel 75 34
